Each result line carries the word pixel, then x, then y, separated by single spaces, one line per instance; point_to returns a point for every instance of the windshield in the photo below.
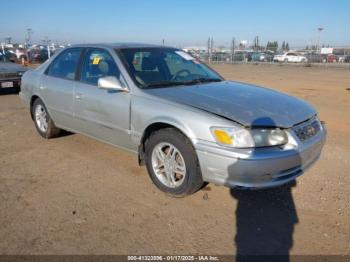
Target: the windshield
pixel 161 67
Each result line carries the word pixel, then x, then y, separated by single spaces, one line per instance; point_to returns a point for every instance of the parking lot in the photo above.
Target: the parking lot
pixel 74 195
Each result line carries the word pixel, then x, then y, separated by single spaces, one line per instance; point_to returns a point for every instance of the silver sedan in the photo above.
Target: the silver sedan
pixel 185 122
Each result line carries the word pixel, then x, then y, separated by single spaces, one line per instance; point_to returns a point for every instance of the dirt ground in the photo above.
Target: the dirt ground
pixel 74 195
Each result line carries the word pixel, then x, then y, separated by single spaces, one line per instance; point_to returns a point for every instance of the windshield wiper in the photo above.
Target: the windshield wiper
pixel 163 84
pixel 177 83
pixel 202 80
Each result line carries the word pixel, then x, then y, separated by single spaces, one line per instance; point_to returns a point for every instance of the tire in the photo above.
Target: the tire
pixel 42 120
pixel 185 160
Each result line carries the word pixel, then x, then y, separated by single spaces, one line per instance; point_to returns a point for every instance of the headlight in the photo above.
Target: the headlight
pixel 233 136
pixel 240 137
pixel 269 137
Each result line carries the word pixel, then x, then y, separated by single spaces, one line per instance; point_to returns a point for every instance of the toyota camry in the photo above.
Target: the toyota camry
pixel 186 123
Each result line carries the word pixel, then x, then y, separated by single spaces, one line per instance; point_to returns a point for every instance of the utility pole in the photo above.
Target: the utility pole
pixel 210 46
pixel 28 39
pixel 320 29
pixel 256 43
pixel 46 42
pixel 232 48
pixel 8 40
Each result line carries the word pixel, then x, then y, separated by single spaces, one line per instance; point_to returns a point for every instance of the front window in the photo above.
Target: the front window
pixel 161 67
pixel 98 63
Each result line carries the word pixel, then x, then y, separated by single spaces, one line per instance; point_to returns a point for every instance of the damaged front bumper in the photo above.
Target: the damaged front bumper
pixel 258 167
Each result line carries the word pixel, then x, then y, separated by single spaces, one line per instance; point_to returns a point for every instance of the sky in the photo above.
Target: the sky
pixel 178 22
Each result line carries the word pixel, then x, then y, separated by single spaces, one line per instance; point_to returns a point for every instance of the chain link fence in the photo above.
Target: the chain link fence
pixel 340 55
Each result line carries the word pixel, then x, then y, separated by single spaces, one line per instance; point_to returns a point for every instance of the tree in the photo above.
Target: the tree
pixel 233 45
pixel 272 46
pixel 287 47
pixel 283 46
pixel 256 43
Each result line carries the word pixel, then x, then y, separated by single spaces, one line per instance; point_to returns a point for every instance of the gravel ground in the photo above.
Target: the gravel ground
pixel 74 195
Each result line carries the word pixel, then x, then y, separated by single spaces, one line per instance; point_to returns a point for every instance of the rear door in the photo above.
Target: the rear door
pixel 103 114
pixel 57 86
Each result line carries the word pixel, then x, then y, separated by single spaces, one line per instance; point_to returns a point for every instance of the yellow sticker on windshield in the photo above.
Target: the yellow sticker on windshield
pixel 96 60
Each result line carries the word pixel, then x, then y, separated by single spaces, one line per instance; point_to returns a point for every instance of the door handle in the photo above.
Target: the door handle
pixel 78 96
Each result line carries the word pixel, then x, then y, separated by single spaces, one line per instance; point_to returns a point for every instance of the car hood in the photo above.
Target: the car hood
pixel 246 104
pixel 11 67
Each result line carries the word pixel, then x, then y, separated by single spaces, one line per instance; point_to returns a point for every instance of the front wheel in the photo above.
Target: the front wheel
pixel 43 122
pixel 172 163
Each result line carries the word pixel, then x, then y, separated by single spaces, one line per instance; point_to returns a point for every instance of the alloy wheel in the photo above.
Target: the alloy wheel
pixel 168 165
pixel 41 118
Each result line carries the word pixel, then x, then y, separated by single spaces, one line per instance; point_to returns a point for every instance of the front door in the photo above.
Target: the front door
pixel 103 114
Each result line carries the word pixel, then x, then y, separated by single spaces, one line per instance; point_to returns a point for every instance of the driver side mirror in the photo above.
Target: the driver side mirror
pixel 110 83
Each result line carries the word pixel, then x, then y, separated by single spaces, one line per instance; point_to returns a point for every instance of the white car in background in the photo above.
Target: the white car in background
pixel 21 53
pixel 290 57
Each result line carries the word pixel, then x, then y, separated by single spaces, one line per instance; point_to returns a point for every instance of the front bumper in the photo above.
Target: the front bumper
pixel 260 167
pixel 16 81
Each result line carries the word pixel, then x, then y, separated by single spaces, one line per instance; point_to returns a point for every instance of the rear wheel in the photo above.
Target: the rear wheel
pixel 43 122
pixel 172 163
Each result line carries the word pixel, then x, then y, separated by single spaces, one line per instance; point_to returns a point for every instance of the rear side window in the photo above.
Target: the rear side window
pixel 65 65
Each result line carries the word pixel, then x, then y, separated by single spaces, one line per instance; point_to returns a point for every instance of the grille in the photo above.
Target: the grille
pixel 307 129
pixel 9 75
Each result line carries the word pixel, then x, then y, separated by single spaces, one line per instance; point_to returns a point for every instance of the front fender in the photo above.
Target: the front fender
pixel 185 129
pixel 193 123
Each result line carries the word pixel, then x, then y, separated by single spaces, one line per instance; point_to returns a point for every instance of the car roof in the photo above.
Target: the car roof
pixel 119 45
